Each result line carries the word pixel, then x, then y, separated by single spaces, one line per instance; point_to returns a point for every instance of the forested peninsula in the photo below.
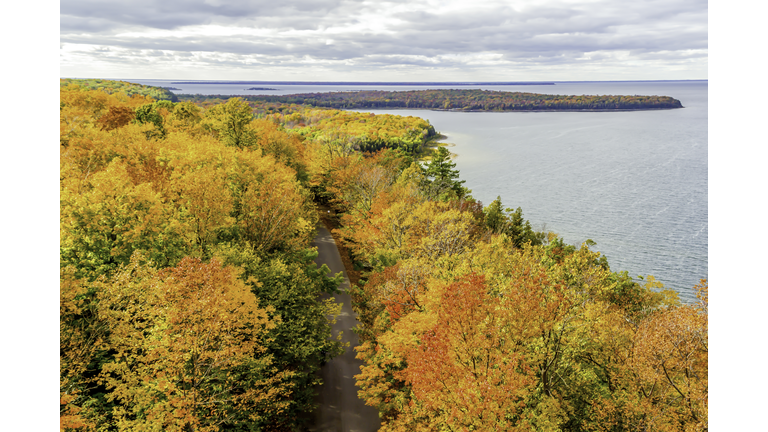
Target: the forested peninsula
pixel 189 299
pixel 370 83
pixel 464 100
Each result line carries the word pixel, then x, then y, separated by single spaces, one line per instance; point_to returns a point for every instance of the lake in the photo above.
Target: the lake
pixel 634 182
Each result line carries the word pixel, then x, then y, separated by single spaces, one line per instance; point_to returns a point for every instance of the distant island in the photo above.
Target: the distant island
pixel 365 83
pixel 171 88
pixel 460 100
pixel 260 88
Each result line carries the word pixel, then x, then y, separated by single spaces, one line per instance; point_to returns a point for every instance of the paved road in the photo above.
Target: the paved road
pixel 340 410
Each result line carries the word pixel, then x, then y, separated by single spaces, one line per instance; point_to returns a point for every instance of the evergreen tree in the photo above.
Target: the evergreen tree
pixel 444 177
pixel 499 220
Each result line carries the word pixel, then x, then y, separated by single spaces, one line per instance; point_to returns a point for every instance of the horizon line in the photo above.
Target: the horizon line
pixel 302 82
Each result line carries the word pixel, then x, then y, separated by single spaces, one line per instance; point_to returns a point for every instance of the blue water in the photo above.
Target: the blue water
pixel 633 182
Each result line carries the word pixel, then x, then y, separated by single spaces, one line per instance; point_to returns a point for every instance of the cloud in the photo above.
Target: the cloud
pixel 394 34
pixel 173 14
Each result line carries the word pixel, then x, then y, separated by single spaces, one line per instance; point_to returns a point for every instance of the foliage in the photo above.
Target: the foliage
pixel 157 333
pixel 499 220
pixel 340 132
pixel 303 342
pixel 443 176
pixel 471 320
pixel 179 221
pixel 112 86
pixel 470 100
pixel 186 348
pixel 230 123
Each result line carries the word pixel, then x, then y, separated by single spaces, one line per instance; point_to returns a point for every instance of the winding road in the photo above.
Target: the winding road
pixel 339 408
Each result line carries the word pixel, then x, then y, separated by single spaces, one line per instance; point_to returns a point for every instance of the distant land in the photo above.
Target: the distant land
pixel 260 88
pixel 113 86
pixel 365 83
pixel 457 100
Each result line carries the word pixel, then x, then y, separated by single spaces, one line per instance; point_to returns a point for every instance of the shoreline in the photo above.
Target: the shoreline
pixel 364 109
pixel 509 111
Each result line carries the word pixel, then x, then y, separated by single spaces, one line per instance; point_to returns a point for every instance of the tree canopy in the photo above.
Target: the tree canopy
pixel 189 298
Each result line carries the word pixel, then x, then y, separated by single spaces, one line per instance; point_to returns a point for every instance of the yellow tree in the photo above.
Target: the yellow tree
pixel 272 210
pixel 285 148
pixel 205 203
pixel 104 220
pixel 379 235
pixel 671 363
pixel 188 348
pixel 230 122
pixel 440 234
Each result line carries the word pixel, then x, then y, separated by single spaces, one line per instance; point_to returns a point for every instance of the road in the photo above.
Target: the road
pixel 340 410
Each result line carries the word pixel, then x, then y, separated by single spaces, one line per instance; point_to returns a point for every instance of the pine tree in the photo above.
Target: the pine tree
pixel 441 170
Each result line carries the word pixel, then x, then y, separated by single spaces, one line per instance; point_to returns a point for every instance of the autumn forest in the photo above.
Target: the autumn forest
pixel 190 299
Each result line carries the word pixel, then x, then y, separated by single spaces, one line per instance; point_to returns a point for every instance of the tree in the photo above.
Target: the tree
pixel 189 346
pixel 465 372
pixel 108 218
pixel 441 170
pixel 302 340
pixel 231 123
pixel 116 117
pixel 148 114
pixel 499 220
pixel 205 203
pixel 670 365
pixel 272 210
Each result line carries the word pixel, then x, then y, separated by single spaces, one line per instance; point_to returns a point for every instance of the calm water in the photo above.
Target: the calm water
pixel 633 182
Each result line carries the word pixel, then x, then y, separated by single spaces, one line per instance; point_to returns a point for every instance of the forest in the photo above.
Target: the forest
pixel 466 100
pixel 111 86
pixel 189 299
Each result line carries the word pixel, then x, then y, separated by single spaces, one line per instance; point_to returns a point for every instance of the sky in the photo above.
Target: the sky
pixel 412 40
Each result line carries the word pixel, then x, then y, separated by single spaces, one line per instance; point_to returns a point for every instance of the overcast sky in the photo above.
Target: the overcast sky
pixel 333 40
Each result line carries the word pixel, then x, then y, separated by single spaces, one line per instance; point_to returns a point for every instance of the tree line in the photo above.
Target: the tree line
pixel 467 100
pixel 112 86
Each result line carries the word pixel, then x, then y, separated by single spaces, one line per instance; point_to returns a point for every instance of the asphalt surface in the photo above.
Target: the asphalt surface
pixel 340 410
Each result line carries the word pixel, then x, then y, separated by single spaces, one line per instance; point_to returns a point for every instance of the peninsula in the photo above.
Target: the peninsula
pixel 462 100
pixel 367 83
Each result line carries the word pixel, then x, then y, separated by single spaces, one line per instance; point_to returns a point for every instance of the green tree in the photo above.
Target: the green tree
pixel 302 340
pixel 499 220
pixel 494 216
pixel 231 122
pixel 520 229
pixel 444 177
pixel 148 113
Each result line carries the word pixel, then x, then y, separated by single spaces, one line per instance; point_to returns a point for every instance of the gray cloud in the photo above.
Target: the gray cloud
pixel 76 15
pixel 369 34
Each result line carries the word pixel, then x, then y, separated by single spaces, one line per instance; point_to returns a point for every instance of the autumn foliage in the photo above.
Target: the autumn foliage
pixel 189 299
pixel 471 320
